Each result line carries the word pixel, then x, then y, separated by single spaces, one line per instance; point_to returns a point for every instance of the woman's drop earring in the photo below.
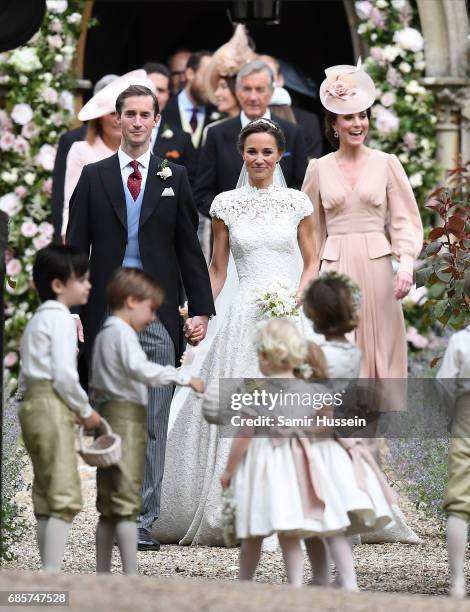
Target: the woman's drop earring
pixel 335 134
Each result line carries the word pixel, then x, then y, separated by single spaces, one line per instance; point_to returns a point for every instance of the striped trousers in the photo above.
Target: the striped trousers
pixel 159 348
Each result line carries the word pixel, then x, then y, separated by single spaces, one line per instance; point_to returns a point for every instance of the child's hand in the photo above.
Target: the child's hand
pixel 197 384
pixel 226 479
pixel 93 421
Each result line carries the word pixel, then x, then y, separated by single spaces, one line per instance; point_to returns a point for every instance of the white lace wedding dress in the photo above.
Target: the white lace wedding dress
pixel 262 226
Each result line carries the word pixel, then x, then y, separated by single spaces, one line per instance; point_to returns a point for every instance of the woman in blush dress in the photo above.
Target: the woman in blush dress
pixel 365 212
pixel 359 196
pixel 103 135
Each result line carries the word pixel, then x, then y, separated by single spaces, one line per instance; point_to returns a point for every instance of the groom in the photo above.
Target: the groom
pixel 135 210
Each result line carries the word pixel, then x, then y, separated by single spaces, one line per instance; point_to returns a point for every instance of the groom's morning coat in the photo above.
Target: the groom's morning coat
pixel 167 240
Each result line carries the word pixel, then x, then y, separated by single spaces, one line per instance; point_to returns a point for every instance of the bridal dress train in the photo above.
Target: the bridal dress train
pixel 262 225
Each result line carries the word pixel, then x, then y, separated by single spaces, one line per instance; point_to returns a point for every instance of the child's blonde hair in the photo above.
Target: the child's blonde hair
pixel 280 341
pixel 315 365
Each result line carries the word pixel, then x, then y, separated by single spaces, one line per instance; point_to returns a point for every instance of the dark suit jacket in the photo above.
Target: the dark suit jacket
pixel 178 149
pixel 171 114
pixel 58 175
pixel 220 162
pixel 311 130
pixel 167 240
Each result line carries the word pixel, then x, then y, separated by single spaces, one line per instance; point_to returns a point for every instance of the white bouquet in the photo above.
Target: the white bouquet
pixel 279 301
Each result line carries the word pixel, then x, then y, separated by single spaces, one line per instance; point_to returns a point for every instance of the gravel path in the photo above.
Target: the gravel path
pixel 398 568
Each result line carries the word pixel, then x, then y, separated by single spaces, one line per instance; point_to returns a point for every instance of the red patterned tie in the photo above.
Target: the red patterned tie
pixel 193 121
pixel 135 179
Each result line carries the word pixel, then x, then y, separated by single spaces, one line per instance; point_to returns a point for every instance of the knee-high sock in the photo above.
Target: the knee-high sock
pixel 104 545
pixel 41 536
pixel 317 550
pixel 126 535
pixel 456 545
pixel 250 550
pixel 293 559
pixel 342 554
pixel 55 539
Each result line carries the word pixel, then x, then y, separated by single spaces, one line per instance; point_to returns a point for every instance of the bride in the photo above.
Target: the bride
pixel 263 224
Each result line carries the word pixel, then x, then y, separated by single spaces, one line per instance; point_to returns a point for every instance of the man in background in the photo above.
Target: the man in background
pixel 307 120
pixel 177 65
pixel 168 141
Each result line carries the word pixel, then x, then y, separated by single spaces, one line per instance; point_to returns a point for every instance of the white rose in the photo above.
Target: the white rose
pixel 390 52
pixel 388 99
pixel 167 133
pixel 23 79
pixel 25 59
pixel 68 51
pixel 404 158
pixel 9 177
pixel 22 113
pixel 362 28
pixel 420 65
pixel 29 178
pixel 363 9
pixel 55 41
pixel 165 173
pixel 381 4
pixel 416 180
pixel 409 39
pixel 74 19
pixel 373 37
pixel 50 95
pixel 409 99
pixel 398 5
pixel 46 157
pixel 56 6
pixel 404 67
pixel 47 76
pixel 11 204
pixel 66 101
pixel 386 121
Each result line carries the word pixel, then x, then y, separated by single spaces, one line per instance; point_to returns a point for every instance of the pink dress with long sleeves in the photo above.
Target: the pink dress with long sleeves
pixel 351 228
pixel 81 153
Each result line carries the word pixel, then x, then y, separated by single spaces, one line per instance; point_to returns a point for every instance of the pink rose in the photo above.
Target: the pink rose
pixel 377 54
pixel 410 141
pixel 11 358
pixel 13 267
pixel 47 186
pixel 41 241
pixel 394 77
pixel 378 18
pixel 21 146
pixel 7 140
pixel 363 9
pixel 55 41
pixel 30 130
pixel 21 191
pixel 388 99
pixel 29 229
pixel 339 89
pixel 416 339
pixel 386 121
pixel 46 229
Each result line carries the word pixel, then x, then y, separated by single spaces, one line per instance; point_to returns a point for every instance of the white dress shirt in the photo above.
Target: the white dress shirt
pixel 127 170
pixel 49 352
pixel 453 378
pixel 246 120
pixel 121 370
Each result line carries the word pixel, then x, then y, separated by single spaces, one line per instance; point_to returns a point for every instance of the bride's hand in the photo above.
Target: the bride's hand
pixel 403 282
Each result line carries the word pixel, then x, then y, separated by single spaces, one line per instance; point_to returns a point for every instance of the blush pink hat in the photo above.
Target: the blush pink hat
pixel 347 89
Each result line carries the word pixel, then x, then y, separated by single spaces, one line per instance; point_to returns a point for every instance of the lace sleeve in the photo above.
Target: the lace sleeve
pixel 218 209
pixel 304 206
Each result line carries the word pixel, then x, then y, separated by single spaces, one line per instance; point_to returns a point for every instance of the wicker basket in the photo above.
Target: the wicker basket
pixel 104 451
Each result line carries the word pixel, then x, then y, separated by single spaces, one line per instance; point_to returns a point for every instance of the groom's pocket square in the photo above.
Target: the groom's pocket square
pixel 168 191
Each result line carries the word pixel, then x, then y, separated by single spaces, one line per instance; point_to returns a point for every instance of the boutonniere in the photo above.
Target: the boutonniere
pixel 167 132
pixel 164 171
pixel 215 115
pixel 173 154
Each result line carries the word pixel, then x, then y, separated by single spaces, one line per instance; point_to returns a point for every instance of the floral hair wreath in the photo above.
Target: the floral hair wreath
pixel 346 280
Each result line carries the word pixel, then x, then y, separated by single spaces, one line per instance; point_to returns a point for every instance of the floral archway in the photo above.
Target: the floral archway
pixel 39 106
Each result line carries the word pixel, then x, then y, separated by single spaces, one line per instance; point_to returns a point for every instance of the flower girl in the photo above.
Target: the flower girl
pixel 263 471
pixel 332 303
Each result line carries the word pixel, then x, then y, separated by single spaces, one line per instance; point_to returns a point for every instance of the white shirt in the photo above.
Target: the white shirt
pixel 121 370
pixel 127 170
pixel 153 136
pixel 245 120
pixel 49 352
pixel 453 378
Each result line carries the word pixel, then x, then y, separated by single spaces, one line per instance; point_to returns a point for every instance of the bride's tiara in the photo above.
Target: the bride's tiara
pixel 265 121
